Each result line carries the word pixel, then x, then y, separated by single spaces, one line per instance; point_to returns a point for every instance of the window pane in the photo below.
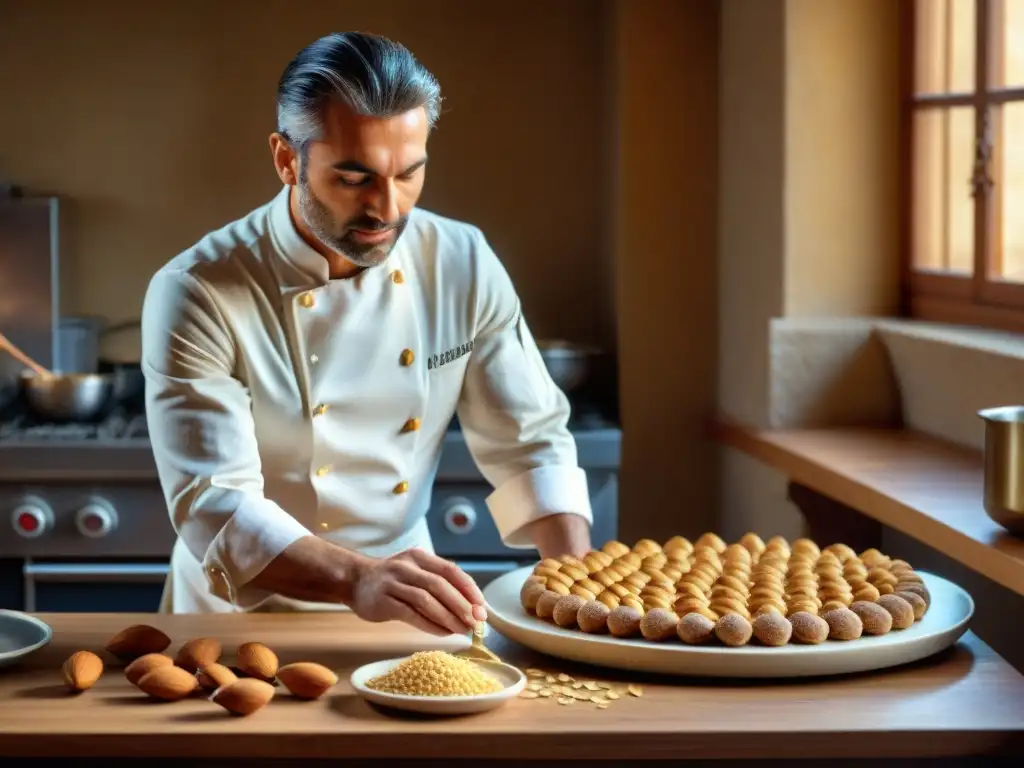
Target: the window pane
pixel 1010 71
pixel 943 209
pixel 944 45
pixel 1008 261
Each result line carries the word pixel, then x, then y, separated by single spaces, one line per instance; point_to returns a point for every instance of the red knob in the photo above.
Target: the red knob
pixel 28 523
pixel 96 519
pixel 31 518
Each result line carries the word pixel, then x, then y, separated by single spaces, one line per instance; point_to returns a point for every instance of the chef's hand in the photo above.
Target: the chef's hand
pixel 562 534
pixel 421 589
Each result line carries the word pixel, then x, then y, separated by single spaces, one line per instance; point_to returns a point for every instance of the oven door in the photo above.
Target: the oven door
pixel 88 587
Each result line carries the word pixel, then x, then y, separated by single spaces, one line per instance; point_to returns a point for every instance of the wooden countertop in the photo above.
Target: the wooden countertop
pixel 965 701
pixel 924 487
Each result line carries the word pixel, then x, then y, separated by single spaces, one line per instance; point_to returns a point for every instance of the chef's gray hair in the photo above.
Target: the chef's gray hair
pixel 373 75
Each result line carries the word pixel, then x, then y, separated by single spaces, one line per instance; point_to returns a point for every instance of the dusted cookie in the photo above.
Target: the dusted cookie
pixel 658 624
pixel 917 589
pixel 624 621
pixel 916 602
pixel 530 594
pixel 732 629
pixel 695 628
pixel 875 619
pixel 566 609
pixel 910 577
pixel 546 604
pixel 843 624
pixel 615 548
pixel 808 628
pixel 772 628
pixel 557 587
pixel 901 611
pixel 593 617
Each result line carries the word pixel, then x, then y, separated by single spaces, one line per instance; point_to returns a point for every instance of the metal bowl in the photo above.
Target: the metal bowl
pixel 67 396
pixel 567 363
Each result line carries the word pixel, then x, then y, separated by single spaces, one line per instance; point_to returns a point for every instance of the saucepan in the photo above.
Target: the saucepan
pixel 64 397
pixel 54 396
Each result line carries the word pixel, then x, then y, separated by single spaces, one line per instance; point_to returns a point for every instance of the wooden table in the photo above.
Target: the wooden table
pixel 966 701
pixel 926 488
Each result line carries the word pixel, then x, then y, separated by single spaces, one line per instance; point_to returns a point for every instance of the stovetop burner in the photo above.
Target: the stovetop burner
pixel 116 427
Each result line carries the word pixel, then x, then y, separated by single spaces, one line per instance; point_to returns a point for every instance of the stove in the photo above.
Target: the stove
pixel 85 526
pixel 117 427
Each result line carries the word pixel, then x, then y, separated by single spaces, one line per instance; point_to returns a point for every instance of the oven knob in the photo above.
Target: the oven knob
pixel 96 519
pixel 32 518
pixel 460 517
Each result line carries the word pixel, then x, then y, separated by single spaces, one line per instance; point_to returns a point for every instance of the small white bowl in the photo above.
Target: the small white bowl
pixel 511 678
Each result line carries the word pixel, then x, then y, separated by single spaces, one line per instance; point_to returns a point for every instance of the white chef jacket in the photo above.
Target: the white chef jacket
pixel 282 403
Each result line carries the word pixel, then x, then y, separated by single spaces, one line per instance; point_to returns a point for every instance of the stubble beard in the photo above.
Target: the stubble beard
pixel 326 229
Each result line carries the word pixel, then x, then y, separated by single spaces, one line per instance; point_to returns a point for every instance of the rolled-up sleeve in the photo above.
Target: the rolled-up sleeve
pixel 203 438
pixel 514 417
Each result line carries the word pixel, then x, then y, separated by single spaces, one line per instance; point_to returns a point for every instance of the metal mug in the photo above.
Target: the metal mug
pixel 1004 466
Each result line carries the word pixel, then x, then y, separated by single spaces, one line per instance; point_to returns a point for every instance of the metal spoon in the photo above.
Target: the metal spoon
pixel 478 651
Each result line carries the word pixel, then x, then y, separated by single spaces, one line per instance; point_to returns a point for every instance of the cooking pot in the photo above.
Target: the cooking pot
pixel 75 397
pixel 567 363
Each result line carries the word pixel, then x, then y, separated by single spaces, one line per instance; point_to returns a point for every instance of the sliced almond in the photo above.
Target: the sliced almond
pixel 599 700
pixel 528 695
pixel 564 678
pixel 635 690
pixel 565 701
pixel 603 706
pixel 545 694
pixel 611 695
pixel 591 686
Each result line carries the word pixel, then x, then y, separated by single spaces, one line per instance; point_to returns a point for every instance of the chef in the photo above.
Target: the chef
pixel 303 363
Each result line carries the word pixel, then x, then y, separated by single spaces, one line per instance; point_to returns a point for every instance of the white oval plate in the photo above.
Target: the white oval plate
pixel 946 620
pixel 20 635
pixel 513 680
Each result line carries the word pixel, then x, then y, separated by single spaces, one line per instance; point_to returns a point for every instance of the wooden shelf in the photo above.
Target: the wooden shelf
pixel 925 488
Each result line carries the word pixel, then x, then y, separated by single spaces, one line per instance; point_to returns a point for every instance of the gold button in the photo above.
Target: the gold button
pixel 407 357
pixel 397 277
pixel 411 425
pixel 306 300
pixel 323 471
pixel 402 487
pixel 321 409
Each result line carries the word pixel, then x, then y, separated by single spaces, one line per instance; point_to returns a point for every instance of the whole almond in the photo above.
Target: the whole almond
pixel 138 640
pixel 82 670
pixel 143 665
pixel 256 660
pixel 168 683
pixel 307 680
pixel 245 696
pixel 201 652
pixel 214 676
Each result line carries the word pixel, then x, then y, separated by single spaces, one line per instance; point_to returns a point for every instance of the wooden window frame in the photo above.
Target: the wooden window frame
pixel 936 296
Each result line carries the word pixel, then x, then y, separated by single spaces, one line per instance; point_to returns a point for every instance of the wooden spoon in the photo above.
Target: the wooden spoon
pixel 8 346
